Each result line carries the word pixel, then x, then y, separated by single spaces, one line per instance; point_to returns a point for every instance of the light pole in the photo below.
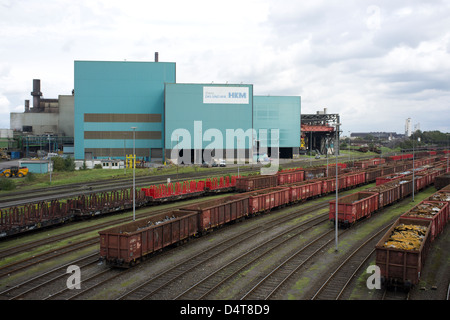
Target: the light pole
pixel 337 185
pixel 414 183
pixel 134 173
pixel 326 150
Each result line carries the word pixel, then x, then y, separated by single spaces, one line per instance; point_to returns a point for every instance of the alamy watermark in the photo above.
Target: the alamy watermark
pixel 235 139
pixel 374 280
pixel 74 280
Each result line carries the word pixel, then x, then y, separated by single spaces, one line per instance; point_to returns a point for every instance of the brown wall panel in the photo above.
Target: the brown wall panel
pixel 117 152
pixel 122 135
pixel 121 117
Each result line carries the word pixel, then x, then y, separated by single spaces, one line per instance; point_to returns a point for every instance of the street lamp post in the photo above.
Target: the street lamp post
pixel 134 173
pixel 337 185
pixel 414 183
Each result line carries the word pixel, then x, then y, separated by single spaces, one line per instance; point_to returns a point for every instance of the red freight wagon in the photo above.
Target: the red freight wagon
pixel 389 178
pixel 388 193
pixel 328 185
pixel 354 207
pixel 400 266
pixel 290 177
pixel 214 213
pixel 373 174
pixel 354 179
pixel 250 183
pixel 441 195
pixel 434 211
pixel 314 173
pixel 130 243
pixel 385 170
pixel 267 199
pixel 304 190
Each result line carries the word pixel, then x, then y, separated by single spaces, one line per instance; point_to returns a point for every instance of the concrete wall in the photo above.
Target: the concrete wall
pixel 41 122
pixel 66 113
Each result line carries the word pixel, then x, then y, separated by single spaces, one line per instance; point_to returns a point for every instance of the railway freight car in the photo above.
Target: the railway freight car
pixel 218 212
pixel 354 207
pixel 388 193
pixel 402 262
pixel 291 176
pixel 434 211
pixel 130 243
pixel 441 195
pixel 442 181
pixel 305 190
pixel 264 200
pixel 249 183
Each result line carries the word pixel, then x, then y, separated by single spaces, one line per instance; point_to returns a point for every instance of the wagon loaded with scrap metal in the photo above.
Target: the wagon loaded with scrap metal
pixel 401 253
pixel 361 205
pixel 263 197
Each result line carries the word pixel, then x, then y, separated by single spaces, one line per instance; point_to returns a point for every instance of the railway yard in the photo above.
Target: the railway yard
pixel 286 252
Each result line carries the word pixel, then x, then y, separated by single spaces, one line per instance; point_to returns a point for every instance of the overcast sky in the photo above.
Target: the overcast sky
pixel 376 63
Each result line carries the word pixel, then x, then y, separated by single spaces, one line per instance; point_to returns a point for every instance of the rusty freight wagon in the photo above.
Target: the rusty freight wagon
pixel 434 211
pixel 354 207
pixel 389 193
pixel 304 190
pixel 215 213
pixel 249 183
pixel 401 262
pixel 130 243
pixel 441 195
pixel 288 177
pixel 266 199
pixel 442 181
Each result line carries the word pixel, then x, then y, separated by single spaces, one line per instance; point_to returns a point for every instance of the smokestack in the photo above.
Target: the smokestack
pixel 36 93
pixel 27 105
pixel 156 56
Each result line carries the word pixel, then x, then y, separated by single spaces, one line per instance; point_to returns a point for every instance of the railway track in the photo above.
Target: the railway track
pixel 74 190
pixel 36 283
pixel 214 281
pixel 17 266
pixel 338 281
pixel 163 286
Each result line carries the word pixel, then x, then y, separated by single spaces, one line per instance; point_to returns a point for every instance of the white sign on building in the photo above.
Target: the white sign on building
pixel 226 95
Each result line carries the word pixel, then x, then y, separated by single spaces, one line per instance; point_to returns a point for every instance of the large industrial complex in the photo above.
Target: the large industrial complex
pixel 116 106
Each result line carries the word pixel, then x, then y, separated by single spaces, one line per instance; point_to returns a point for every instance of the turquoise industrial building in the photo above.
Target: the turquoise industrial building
pixel 121 104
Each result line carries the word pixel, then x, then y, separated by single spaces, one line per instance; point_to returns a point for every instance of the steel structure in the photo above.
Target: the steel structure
pixel 319 131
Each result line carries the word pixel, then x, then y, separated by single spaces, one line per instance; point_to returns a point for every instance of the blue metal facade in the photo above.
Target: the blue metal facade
pixel 112 97
pixel 203 108
pixel 278 112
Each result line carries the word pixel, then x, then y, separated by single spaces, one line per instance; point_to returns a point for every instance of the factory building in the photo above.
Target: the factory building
pixel 47 115
pixel 113 97
pixel 119 103
pixel 214 119
pixel 282 113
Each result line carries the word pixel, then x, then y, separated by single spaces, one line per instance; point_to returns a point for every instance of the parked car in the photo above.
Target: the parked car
pixel 222 163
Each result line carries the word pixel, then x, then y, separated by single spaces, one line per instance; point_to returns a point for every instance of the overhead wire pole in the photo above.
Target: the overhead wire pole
pixel 134 173
pixel 337 185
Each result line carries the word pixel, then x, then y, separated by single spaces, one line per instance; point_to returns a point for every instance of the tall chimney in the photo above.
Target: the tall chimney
pixel 27 105
pixel 156 56
pixel 36 93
